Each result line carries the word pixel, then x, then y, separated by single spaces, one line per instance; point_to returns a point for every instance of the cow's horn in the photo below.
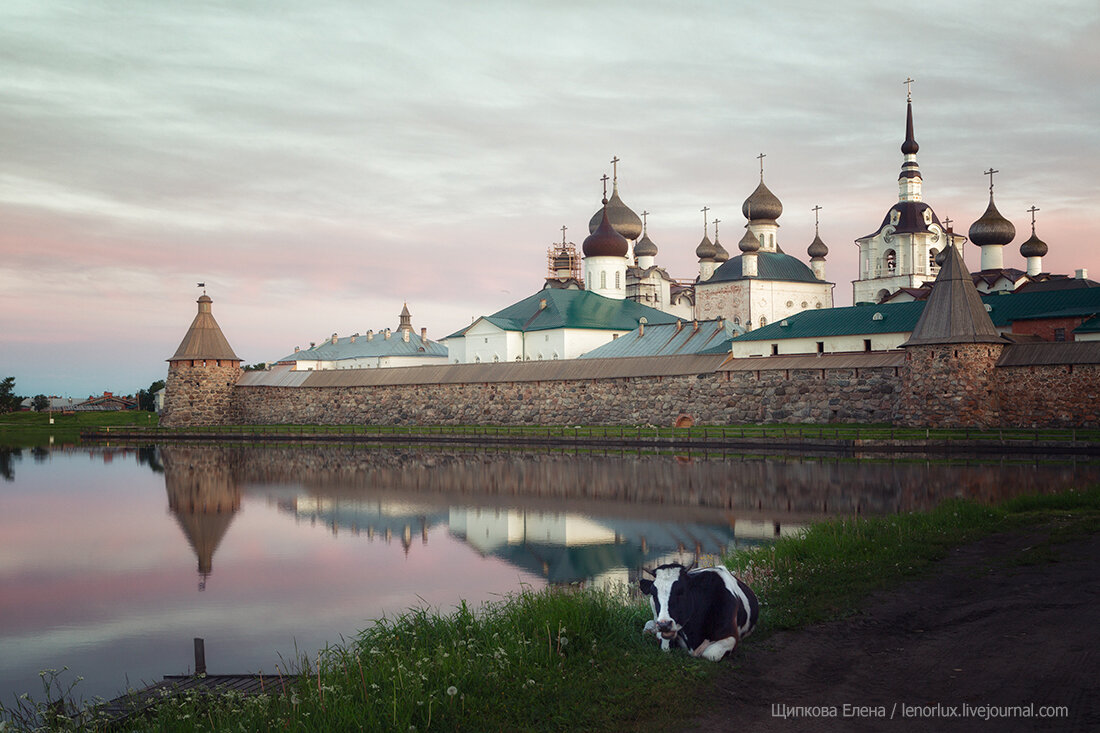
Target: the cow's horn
pixel 647 570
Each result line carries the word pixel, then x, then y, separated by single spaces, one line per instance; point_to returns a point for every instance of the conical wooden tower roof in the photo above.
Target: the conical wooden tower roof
pixel 204 340
pixel 954 313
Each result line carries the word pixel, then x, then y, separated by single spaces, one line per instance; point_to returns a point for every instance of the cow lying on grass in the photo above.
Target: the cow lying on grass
pixel 704 610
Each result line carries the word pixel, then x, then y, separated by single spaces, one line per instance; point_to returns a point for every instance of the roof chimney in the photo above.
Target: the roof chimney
pixel 424 335
pixel 297 349
pixel 334 338
pixel 1082 274
pixel 387 334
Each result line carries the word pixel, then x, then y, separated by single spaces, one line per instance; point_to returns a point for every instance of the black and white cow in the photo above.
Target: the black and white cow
pixel 705 610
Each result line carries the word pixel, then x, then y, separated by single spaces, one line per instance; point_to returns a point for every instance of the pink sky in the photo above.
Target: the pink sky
pixel 317 165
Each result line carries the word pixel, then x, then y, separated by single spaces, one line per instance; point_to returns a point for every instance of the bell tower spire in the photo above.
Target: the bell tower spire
pixel 909 181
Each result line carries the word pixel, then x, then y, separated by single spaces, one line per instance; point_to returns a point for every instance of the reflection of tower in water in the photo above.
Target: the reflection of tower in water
pixel 203 496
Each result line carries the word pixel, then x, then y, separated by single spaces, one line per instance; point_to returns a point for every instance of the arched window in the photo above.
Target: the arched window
pixel 932 258
pixel 495 358
pixel 477 359
pixel 763 321
pixel 618 284
pixel 890 259
pixel 603 279
pixel 882 295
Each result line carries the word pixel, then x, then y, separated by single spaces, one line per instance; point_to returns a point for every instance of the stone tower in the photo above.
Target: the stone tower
pixel 201 375
pixel 951 355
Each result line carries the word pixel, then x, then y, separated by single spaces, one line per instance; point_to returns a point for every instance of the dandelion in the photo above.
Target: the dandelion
pixel 452 691
pixel 564 641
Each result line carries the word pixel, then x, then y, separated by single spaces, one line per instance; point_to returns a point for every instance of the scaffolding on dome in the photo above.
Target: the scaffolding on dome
pixel 564 250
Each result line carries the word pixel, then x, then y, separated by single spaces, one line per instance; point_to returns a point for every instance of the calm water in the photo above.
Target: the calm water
pixel 113 559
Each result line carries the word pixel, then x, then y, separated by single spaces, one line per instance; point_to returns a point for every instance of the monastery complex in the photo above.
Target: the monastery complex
pixel 611 338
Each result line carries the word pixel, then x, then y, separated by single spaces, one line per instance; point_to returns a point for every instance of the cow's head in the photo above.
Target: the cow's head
pixel 669 597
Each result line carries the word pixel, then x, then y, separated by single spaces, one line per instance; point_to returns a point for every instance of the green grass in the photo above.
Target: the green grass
pixel 557 660
pixel 644 433
pixel 31 429
pixel 825 572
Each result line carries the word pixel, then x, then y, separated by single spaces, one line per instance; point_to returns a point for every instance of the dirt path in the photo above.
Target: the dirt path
pixel 984 630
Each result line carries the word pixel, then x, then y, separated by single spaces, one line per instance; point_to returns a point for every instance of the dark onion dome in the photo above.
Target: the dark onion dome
pixel 1034 247
pixel 645 247
pixel 749 242
pixel 769 266
pixel 622 219
pixel 705 251
pixel 909 147
pixel 605 241
pixel 992 228
pixel 720 253
pixel 817 249
pixel 910 219
pixel 941 256
pixel 762 205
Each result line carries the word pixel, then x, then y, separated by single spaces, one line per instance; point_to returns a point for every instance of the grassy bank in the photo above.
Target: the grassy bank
pixel 575 660
pixel 33 429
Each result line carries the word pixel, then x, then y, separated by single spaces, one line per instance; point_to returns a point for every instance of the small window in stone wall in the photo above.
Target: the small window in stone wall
pixel 1059 334
pixel 866 344
pixel 821 347
pixel 775 349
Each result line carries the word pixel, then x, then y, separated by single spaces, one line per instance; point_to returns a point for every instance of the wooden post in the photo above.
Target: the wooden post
pixel 200 656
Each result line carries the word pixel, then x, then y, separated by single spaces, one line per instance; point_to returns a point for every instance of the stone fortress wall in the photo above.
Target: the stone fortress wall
pixel 957 386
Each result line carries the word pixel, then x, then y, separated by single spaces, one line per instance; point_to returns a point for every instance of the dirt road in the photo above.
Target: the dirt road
pixel 1011 623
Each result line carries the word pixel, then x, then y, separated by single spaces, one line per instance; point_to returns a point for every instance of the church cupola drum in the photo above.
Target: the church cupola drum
pixel 201 374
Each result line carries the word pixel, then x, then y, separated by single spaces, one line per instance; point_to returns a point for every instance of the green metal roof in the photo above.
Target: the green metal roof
pixel 902 317
pixel 1092 325
pixel 769 266
pixel 572 309
pixel 664 339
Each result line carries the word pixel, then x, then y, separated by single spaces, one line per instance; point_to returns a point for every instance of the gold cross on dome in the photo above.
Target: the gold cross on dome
pixel 563 228
pixel 615 169
pixel 990 173
pixel 761 159
pixel 705 209
pixel 908 88
pixel 604 179
pixel 815 209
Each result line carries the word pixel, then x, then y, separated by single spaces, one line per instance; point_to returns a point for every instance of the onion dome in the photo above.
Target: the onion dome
pixel 623 219
pixel 645 247
pixel 720 253
pixel 941 256
pixel 605 241
pixel 762 205
pixel 1033 247
pixel 817 248
pixel 992 228
pixel 749 242
pixel 705 251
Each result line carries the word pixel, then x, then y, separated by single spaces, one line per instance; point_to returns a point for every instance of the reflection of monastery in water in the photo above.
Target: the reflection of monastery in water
pixel 203 496
pixel 561 547
pixel 562 516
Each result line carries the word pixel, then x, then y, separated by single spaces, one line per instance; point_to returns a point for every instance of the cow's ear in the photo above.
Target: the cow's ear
pixel 647 586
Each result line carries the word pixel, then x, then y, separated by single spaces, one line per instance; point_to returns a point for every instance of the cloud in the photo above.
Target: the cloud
pixel 323 163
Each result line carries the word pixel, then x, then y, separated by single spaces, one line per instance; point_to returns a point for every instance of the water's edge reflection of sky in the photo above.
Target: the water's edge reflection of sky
pixel 113 559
